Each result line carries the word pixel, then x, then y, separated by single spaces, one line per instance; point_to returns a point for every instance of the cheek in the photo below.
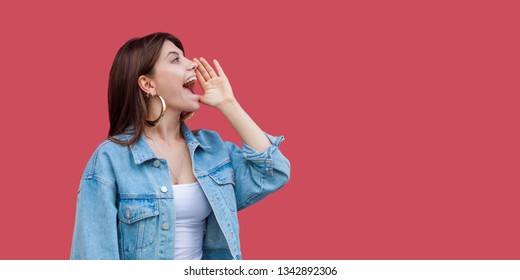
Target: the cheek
pixel 169 78
pixel 169 82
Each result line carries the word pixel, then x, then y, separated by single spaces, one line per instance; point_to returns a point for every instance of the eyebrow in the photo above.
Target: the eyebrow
pixel 174 52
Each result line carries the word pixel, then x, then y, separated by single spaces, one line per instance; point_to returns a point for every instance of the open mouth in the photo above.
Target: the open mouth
pixel 190 83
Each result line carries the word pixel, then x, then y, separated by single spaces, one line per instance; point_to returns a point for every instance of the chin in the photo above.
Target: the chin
pixel 186 106
pixel 193 108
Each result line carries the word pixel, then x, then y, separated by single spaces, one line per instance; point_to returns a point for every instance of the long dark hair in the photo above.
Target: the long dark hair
pixel 126 101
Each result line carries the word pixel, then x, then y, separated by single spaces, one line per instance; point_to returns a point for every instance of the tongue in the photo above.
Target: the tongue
pixel 188 89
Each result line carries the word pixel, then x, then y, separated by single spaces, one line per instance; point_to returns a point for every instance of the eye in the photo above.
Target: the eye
pixel 176 59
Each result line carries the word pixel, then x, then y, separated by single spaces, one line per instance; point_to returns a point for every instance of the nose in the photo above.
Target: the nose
pixel 192 65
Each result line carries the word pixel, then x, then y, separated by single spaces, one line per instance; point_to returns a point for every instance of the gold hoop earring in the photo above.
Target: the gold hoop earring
pixel 187 116
pixel 163 109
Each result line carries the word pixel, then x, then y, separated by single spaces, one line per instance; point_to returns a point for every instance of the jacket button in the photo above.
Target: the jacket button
pixel 164 189
pixel 165 226
pixel 156 163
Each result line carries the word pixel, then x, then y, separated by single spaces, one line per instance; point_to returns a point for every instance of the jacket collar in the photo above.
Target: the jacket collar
pixel 142 152
pixel 192 139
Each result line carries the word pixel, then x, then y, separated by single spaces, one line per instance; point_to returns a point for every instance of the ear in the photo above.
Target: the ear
pixel 146 84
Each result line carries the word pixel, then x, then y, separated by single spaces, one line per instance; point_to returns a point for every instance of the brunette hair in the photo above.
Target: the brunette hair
pixel 126 101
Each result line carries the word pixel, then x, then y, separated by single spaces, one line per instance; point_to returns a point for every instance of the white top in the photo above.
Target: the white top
pixel 191 208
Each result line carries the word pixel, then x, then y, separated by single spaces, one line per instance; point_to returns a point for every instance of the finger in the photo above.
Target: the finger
pixel 200 78
pixel 202 70
pixel 202 99
pixel 219 69
pixel 208 67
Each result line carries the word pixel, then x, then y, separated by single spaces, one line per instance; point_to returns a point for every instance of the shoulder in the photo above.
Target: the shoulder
pixel 109 148
pixel 208 138
pixel 213 150
pixel 206 134
pixel 103 158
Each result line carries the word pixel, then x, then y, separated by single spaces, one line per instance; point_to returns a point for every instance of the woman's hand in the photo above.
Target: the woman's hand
pixel 218 94
pixel 217 89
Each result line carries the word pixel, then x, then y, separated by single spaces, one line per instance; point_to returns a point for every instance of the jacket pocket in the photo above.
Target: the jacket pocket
pixel 224 177
pixel 137 222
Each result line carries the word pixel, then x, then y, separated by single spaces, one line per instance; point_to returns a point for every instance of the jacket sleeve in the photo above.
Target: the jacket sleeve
pixel 258 174
pixel 95 229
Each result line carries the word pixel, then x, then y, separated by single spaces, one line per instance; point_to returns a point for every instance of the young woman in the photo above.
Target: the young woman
pixel 156 190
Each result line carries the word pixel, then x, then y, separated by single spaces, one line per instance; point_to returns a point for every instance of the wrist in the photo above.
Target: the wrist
pixel 228 105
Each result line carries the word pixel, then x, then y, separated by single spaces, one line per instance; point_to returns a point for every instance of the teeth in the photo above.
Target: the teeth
pixel 189 82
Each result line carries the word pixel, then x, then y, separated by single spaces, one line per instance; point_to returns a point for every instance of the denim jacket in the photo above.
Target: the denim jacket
pixel 125 204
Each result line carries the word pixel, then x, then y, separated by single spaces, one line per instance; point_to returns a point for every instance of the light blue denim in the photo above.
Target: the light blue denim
pixel 125 204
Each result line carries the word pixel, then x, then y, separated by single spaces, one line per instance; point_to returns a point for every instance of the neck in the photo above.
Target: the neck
pixel 167 131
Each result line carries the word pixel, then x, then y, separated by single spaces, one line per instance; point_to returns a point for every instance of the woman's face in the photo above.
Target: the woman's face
pixel 171 71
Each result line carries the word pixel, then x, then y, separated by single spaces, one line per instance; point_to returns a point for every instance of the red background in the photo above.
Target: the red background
pixel 401 119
